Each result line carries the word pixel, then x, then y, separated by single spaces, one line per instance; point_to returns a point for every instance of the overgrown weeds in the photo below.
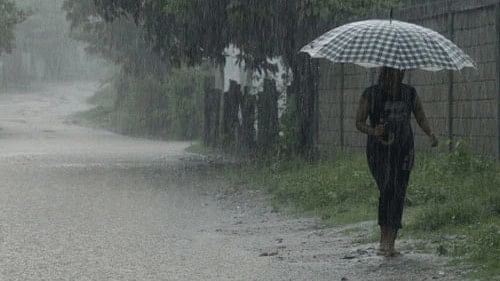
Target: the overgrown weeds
pixel 168 107
pixel 450 194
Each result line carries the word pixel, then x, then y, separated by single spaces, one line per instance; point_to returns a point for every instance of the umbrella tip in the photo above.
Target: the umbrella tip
pixel 392 12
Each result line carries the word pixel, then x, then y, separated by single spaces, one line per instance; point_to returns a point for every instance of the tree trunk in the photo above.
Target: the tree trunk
pixel 268 123
pixel 248 134
pixel 231 122
pixel 305 92
pixel 211 113
pixel 122 89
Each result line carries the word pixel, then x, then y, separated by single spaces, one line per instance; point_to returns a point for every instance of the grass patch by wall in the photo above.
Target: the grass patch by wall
pixel 449 195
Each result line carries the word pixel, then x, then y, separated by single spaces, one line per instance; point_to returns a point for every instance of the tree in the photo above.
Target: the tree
pixel 180 31
pixel 9 17
pixel 43 48
pixel 261 29
pixel 121 41
pixel 153 93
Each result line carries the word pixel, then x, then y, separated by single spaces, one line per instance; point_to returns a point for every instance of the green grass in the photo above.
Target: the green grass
pixel 450 195
pixel 127 119
pixel 152 107
pixel 100 116
pixel 104 97
pixel 200 149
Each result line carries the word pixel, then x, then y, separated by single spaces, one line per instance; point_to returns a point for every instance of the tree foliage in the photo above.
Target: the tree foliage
pixel 43 48
pixel 154 94
pixel 121 42
pixel 261 29
pixel 10 15
pixel 191 31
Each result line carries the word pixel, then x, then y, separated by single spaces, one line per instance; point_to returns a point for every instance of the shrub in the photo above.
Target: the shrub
pixel 170 108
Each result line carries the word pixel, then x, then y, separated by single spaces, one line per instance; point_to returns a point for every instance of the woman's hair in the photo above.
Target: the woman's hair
pixel 391 79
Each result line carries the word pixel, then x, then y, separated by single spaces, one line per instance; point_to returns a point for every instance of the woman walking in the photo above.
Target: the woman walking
pixel 390 147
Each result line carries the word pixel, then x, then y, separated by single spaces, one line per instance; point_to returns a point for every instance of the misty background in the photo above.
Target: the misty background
pixel 44 50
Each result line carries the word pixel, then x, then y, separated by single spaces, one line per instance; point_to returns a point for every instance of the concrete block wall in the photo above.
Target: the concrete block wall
pixel 475 91
pixel 432 89
pixel 474 100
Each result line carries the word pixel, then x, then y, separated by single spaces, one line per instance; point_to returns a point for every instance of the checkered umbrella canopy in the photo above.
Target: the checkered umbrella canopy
pixel 396 44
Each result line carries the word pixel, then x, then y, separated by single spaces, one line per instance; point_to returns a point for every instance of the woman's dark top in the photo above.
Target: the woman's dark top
pixel 395 114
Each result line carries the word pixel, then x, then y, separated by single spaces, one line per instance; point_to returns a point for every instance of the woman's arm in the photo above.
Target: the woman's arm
pixel 423 122
pixel 362 116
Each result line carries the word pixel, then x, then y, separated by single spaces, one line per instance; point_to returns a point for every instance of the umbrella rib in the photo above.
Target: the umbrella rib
pixel 426 35
pixel 325 39
pixel 399 52
pixel 336 54
pixel 394 32
pixel 358 34
pixel 401 43
pixel 461 59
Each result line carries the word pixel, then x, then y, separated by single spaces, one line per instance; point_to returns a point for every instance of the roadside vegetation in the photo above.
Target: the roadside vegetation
pixel 36 47
pixel 454 195
pixel 453 199
pixel 170 108
pixel 10 16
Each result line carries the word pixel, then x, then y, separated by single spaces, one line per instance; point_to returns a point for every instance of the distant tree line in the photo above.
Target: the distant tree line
pixel 10 15
pixel 152 97
pixel 40 46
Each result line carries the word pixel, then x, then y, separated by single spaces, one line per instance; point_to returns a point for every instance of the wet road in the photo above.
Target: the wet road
pixel 84 204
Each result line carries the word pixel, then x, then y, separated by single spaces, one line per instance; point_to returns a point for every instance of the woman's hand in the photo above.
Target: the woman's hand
pixel 378 131
pixel 434 140
pixel 424 123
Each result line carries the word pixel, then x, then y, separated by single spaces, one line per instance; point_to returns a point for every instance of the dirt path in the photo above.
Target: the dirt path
pixel 85 204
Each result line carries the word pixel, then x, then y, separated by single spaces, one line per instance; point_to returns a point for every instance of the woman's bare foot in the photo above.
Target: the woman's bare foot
pixel 389 248
pixel 388 252
pixel 382 252
pixel 392 253
pixel 384 241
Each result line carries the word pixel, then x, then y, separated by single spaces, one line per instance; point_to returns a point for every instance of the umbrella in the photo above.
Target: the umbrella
pixel 390 43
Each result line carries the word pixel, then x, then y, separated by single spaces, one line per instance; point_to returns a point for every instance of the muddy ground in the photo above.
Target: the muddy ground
pixel 85 204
